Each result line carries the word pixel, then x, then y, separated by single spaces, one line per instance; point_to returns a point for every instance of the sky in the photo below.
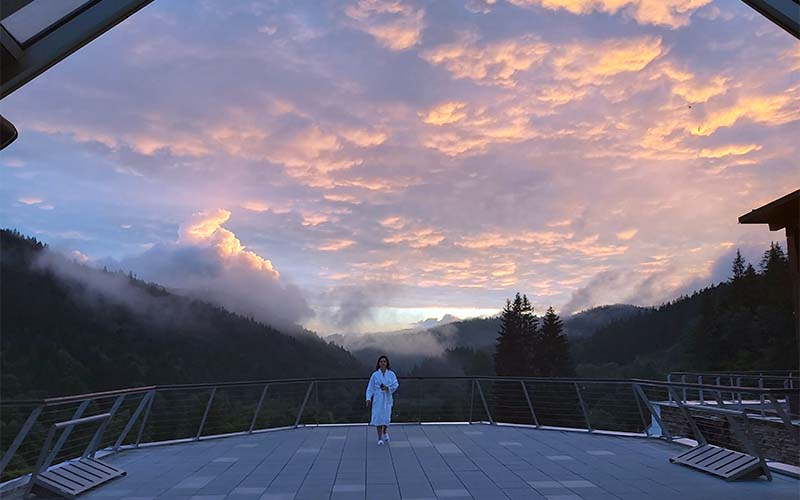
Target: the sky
pixel 363 165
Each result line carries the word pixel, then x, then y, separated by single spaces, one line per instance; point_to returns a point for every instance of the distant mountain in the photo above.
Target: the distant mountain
pixel 67 328
pixel 585 323
pixel 409 348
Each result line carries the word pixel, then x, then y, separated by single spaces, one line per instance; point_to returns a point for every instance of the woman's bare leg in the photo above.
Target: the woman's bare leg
pixel 380 433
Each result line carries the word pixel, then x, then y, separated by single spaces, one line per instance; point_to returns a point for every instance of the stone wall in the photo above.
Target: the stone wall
pixel 773 438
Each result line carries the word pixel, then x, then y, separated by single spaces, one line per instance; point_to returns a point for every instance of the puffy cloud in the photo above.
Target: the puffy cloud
pixel 671 13
pixel 627 234
pixel 30 200
pixel 773 110
pixel 395 25
pixel 590 63
pixel 493 63
pixel 444 113
pixel 416 238
pixel 365 138
pixel 208 261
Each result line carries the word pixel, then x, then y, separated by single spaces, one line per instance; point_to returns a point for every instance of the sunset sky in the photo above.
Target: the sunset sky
pixel 362 165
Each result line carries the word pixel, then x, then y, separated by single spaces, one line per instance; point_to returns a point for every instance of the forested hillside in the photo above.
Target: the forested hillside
pixel 68 329
pixel 742 324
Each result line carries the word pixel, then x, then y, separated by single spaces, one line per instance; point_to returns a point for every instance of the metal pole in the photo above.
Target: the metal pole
pixel 700 381
pixel 303 406
pixel 419 403
pixel 530 405
pixel 641 412
pixel 652 410
pixel 65 433
pixel 683 380
pixel 316 400
pixel 748 430
pixel 23 432
pixel 483 399
pixel 696 430
pixel 205 414
pixel 761 394
pixel 471 399
pixel 739 384
pixel 669 381
pixel 145 400
pixel 787 421
pixel 144 419
pixel 258 409
pixel 583 407
pixel 98 436
pixel 38 467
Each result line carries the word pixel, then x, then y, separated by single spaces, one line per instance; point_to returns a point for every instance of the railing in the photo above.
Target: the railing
pixel 151 415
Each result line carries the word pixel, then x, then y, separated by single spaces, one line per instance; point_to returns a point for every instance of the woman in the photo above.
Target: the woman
pixel 382 385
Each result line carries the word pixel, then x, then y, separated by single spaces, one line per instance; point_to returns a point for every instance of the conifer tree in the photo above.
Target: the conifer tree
pixel 553 347
pixel 738 267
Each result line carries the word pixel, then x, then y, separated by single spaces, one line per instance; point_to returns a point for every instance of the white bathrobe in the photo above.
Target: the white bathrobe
pixel 381 400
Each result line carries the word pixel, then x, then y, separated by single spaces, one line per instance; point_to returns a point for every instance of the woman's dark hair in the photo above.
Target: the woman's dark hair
pixel 378 363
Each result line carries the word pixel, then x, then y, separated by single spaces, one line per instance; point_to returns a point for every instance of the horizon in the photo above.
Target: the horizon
pixel 361 164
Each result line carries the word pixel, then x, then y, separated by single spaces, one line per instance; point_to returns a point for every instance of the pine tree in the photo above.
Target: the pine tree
pixel 530 338
pixel 511 349
pixel 738 267
pixel 553 347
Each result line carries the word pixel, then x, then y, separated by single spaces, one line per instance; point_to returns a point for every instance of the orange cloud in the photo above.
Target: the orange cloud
pixel 205 229
pixel 30 200
pixel 416 238
pixel 627 234
pixel 729 150
pixel 495 63
pixel 446 112
pixel 335 245
pixel 365 138
pixel 395 25
pixel 671 13
pixel 773 110
pixel 590 63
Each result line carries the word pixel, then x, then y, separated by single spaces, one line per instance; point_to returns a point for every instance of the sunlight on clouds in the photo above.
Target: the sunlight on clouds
pixel 772 110
pixel 494 63
pixel 393 222
pixel 205 229
pixel 729 150
pixel 590 63
pixel 416 238
pixel 261 206
pixel 365 138
pixel 627 234
pixel 671 13
pixel 335 245
pixel 394 24
pixel 30 200
pixel 446 112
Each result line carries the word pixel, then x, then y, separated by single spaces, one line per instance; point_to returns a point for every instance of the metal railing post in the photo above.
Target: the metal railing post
pixel 98 436
pixel 21 435
pixel 739 384
pixel 638 389
pixel 42 456
pixel 419 403
pixel 131 421
pixel 583 407
pixel 530 405
pixel 683 381
pixel 641 412
pixel 258 409
pixel 66 432
pixel 761 394
pixel 669 381
pixel 483 399
pixel 787 421
pixel 205 414
pixel 696 430
pixel 303 406
pixel 700 381
pixel 144 419
pixel 471 399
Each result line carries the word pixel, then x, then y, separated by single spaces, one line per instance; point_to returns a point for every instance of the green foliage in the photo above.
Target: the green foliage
pixel 743 324
pixel 61 337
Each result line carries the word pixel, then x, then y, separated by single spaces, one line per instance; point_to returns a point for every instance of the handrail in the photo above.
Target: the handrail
pixel 578 403
pixel 172 387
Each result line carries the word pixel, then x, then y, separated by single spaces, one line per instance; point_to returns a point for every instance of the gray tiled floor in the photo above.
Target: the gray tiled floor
pixel 422 462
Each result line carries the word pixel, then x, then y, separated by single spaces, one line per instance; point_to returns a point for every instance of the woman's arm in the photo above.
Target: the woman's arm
pixel 393 383
pixel 370 387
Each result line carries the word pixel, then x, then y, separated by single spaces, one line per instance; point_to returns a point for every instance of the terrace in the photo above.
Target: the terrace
pixel 480 438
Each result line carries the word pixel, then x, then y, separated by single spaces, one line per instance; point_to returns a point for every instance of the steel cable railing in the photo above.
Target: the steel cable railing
pixel 190 412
